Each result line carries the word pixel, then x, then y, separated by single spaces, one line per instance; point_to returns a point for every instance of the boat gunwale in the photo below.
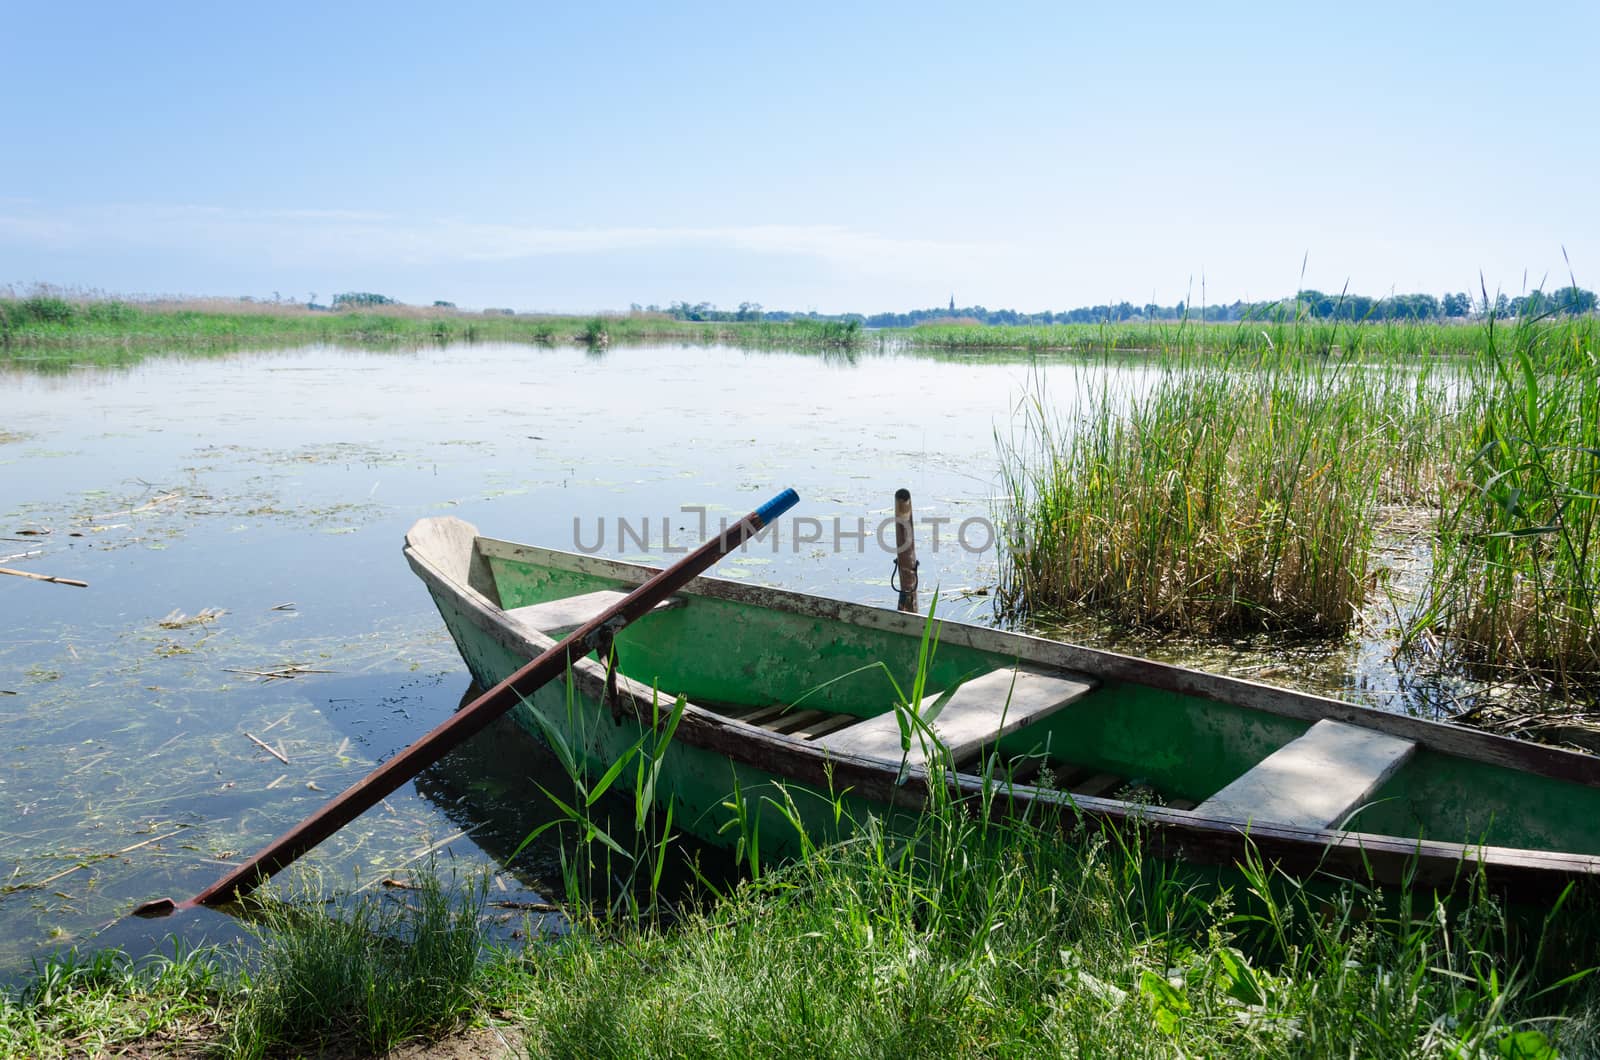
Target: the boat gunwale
pixel 1444 737
pixel 1178 833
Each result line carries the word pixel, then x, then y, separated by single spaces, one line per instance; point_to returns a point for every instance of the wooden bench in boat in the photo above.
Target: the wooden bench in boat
pixel 979 712
pixel 782 719
pixel 1315 781
pixel 555 618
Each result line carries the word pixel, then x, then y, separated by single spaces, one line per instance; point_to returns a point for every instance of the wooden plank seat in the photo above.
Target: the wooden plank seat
pixel 1315 781
pixel 979 712
pixel 780 718
pixel 556 618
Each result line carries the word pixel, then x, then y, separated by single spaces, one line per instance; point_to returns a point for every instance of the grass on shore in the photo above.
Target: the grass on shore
pixel 375 973
pixel 971 941
pixel 84 1005
pixel 962 940
pixel 968 935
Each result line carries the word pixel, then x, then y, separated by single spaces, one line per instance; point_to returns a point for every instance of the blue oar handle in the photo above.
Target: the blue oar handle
pixel 776 507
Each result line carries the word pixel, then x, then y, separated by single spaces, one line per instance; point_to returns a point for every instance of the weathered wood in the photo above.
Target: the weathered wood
pixel 43 577
pixel 1098 784
pixel 267 747
pixel 762 715
pixel 794 720
pixel 828 724
pixel 1167 831
pixel 554 617
pixel 1315 781
pixel 1023 773
pixel 1105 666
pixel 452 542
pixel 979 712
pixel 905 552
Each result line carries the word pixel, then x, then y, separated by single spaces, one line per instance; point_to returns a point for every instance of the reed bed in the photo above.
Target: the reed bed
pixel 51 331
pixel 1283 334
pixel 1236 493
pixel 1515 586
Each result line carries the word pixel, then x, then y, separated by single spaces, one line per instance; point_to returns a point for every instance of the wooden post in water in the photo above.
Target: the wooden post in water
pixel 905 551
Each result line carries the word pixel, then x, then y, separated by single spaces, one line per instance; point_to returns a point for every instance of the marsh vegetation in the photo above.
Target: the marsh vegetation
pixel 963 938
pixel 57 330
pixel 1247 490
pixel 1265 476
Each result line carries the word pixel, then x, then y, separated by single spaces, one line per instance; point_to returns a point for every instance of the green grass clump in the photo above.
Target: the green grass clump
pixel 1230 494
pixel 966 937
pixel 1515 584
pixel 82 1005
pixel 374 974
pixel 962 941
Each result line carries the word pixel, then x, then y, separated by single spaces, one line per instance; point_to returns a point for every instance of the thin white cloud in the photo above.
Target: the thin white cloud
pixel 299 237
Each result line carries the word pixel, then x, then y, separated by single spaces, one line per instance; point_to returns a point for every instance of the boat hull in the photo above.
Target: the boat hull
pixel 1527 815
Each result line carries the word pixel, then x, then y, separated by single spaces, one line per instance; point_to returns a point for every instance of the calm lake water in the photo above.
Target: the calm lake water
pixel 276 488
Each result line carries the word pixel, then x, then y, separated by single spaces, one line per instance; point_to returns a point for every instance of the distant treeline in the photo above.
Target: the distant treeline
pixel 1310 304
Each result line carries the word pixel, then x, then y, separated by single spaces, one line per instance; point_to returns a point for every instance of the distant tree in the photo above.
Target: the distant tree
pixel 360 300
pixel 1456 305
pixel 1573 300
pixel 1531 304
pixel 1409 307
pixel 1314 303
pixel 440 304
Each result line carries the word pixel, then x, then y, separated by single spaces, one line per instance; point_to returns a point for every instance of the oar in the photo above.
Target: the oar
pixel 472 718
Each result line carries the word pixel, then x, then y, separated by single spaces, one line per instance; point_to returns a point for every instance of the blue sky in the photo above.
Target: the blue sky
pixel 837 157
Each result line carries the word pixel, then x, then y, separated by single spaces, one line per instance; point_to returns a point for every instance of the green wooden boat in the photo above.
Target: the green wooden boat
pixel 781 690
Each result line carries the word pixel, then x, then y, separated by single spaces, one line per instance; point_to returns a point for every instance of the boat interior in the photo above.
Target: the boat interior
pixel 831 674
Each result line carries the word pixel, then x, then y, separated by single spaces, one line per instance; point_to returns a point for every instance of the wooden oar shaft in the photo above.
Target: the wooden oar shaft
pixel 472 719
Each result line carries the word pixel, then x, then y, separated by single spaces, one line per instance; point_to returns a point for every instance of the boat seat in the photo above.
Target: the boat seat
pixel 1315 781
pixel 556 618
pixel 979 712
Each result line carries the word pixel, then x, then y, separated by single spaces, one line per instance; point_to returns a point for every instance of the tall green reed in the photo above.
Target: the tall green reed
pixel 606 877
pixel 1515 584
pixel 1232 493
